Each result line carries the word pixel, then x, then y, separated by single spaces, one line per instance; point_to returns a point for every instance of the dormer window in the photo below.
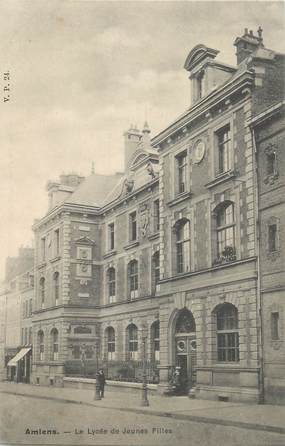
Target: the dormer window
pixel 200 85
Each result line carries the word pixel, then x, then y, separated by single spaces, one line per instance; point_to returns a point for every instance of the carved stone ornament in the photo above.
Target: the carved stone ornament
pixel 129 185
pixel 150 170
pixel 271 177
pixel 199 151
pixel 144 222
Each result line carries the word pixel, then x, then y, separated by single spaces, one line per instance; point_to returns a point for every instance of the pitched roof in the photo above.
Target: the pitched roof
pixel 93 190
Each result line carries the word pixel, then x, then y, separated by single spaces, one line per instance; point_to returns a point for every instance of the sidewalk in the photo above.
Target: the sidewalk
pixel 258 417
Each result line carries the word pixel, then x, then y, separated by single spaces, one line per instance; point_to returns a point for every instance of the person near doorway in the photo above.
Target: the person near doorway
pixel 176 380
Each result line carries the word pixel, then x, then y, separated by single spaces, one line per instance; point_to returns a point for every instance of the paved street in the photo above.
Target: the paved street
pixel 77 424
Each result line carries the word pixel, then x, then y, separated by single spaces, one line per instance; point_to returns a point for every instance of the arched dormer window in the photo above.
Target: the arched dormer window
pixel 111 278
pixel 182 230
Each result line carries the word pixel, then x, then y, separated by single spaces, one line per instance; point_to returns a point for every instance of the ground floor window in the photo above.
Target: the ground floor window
pixel 227 333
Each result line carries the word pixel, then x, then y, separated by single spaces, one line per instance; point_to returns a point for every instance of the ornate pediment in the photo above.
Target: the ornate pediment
pixel 84 241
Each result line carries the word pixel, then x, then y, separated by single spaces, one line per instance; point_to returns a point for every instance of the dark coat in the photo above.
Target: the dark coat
pixel 101 378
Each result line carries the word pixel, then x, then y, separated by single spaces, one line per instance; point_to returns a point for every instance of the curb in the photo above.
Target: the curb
pixel 194 418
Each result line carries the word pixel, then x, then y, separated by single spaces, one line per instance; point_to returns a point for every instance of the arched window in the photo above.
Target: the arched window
pixel 133 279
pixel 42 291
pixel 182 228
pixel 185 322
pixel 155 270
pixel 111 277
pixel 226 230
pixel 41 340
pixel 54 344
pixel 227 333
pixel 132 333
pixel 155 340
pixel 56 287
pixel 111 343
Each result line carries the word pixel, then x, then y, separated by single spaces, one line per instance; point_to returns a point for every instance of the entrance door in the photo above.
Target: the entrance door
pixel 185 348
pixel 186 359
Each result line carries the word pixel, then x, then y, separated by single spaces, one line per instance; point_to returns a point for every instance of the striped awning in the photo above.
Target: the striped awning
pixel 18 356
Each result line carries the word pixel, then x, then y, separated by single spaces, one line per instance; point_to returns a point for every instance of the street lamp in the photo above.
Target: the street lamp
pixel 144 401
pixel 97 395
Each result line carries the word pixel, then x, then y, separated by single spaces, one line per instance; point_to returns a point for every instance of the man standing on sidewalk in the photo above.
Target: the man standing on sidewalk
pixel 101 378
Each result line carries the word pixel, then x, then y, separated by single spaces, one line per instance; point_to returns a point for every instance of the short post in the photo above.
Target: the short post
pixel 144 401
pixel 97 395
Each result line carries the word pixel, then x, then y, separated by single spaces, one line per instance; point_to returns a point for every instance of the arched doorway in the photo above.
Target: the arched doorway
pixel 185 348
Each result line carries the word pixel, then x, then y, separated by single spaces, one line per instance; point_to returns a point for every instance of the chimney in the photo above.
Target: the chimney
pixel 146 135
pixel 59 191
pixel 247 44
pixel 132 139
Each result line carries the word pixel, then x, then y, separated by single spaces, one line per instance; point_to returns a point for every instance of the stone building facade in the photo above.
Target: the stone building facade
pixel 167 256
pixel 16 299
pixel 269 133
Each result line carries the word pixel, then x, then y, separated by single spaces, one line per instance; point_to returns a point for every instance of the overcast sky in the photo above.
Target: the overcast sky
pixel 82 71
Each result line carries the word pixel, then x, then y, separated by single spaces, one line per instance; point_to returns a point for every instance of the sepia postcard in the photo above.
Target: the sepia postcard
pixel 142 229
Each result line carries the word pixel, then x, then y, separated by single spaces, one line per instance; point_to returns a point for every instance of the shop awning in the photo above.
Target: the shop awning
pixel 18 356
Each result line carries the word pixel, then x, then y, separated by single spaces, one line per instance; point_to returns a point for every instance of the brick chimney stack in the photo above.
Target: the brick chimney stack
pixel 132 138
pixel 247 44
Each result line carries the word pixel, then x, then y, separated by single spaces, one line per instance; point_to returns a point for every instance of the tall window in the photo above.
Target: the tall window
pixel 183 245
pixel 155 340
pixel 272 237
pixel 225 228
pixel 224 144
pixel 182 171
pixel 133 279
pixel 111 275
pixel 275 326
pixel 111 343
pixel 30 307
pixel 41 340
pixel 227 333
pixel 156 215
pixel 111 236
pixel 133 226
pixel 54 346
pixel 56 242
pixel 133 341
pixel 200 85
pixel 271 162
pixel 155 269
pixel 43 248
pixel 42 291
pixel 56 287
pixel 30 335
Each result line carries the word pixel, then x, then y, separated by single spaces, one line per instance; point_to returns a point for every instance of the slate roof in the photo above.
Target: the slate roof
pixel 93 190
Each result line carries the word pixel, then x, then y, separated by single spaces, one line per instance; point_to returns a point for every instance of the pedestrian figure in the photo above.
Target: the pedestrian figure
pixel 176 380
pixel 101 379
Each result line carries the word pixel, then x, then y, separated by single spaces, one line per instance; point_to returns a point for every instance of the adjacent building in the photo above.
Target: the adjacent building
pixel 269 136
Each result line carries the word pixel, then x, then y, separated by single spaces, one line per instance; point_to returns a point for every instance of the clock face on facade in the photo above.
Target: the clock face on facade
pixel 199 151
